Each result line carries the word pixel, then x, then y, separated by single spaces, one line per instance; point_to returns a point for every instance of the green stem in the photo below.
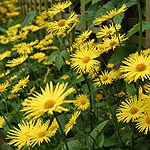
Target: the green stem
pixel 64 136
pixel 140 24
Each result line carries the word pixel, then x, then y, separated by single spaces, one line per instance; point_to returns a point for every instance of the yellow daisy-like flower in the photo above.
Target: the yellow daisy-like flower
pixel 42 132
pixel 64 77
pixel 4 73
pixel 110 15
pixel 72 121
pixel 22 136
pixel 49 101
pixel 20 85
pixel 2 121
pixel 108 30
pixel 81 38
pixel 143 123
pixel 110 65
pixel 16 61
pixel 82 102
pixel 5 54
pixel 107 77
pixel 63 25
pixel 83 60
pixel 4 86
pixel 113 42
pixel 136 67
pixel 58 7
pixel 131 109
pixel 40 56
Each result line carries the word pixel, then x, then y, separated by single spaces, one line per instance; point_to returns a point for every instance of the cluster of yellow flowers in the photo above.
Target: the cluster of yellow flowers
pixel 36 56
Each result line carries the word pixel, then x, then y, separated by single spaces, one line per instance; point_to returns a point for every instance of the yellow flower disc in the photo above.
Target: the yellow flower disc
pixel 41 134
pixel 148 120
pixel 133 110
pixel 61 22
pixel 86 59
pixel 49 104
pixel 141 67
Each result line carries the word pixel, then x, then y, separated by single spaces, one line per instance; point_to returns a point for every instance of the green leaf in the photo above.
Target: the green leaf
pixel 53 56
pixel 118 19
pixel 94 135
pixel 100 139
pixel 74 145
pixel 59 62
pixel 95 1
pixel 3 30
pixel 135 28
pixel 5 146
pixel 29 17
pixel 130 88
pixel 65 54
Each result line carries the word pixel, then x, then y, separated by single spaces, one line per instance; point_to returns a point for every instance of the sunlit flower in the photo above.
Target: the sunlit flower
pixel 143 123
pixel 82 102
pixel 20 85
pixel 5 54
pixel 72 121
pixel 65 76
pixel 83 60
pixel 49 101
pixel 107 77
pixel 3 86
pixel 40 56
pixel 108 30
pixel 2 121
pixel 63 25
pixel 16 61
pixel 131 109
pixel 99 97
pixel 110 14
pixel 136 67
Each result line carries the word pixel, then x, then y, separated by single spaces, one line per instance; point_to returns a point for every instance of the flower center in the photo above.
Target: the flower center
pixel 49 104
pixel 83 37
pixel 112 43
pixel 109 31
pixel 140 67
pixel 41 134
pixel 86 59
pixel 61 22
pixel 133 110
pixel 147 120
pixel 83 102
pixel 105 78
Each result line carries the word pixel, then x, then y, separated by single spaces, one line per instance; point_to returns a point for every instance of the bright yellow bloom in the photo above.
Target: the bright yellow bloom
pixel 83 60
pixel 110 14
pixel 136 67
pixel 4 73
pixel 40 56
pixel 16 61
pixel 131 109
pixel 49 101
pixel 82 102
pixel 72 121
pixel 63 25
pixel 143 123
pixel 107 77
pixel 108 30
pixel 2 121
pixel 5 54
pixel 20 85
pixel 64 77
pixel 3 86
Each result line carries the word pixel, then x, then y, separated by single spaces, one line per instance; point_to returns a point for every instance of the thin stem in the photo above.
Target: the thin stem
pixel 140 24
pixel 64 136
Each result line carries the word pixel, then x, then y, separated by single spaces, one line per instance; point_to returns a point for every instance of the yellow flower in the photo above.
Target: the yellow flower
pixel 2 121
pixel 110 65
pixel 131 109
pixel 65 76
pixel 16 61
pixel 108 30
pixel 63 25
pixel 40 56
pixel 83 60
pixel 99 97
pixel 20 85
pixel 110 15
pixel 42 132
pixel 136 67
pixel 5 54
pixel 72 121
pixel 3 86
pixel 82 102
pixel 107 77
pixel 49 101
pixel 4 73
pixel 143 123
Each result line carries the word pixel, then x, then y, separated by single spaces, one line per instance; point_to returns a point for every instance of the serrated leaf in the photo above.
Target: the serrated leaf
pixel 53 56
pixel 65 54
pixel 130 88
pixel 29 17
pixel 135 28
pixel 59 62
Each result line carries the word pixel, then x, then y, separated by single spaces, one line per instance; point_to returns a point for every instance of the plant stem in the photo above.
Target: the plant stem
pixel 140 24
pixel 64 136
